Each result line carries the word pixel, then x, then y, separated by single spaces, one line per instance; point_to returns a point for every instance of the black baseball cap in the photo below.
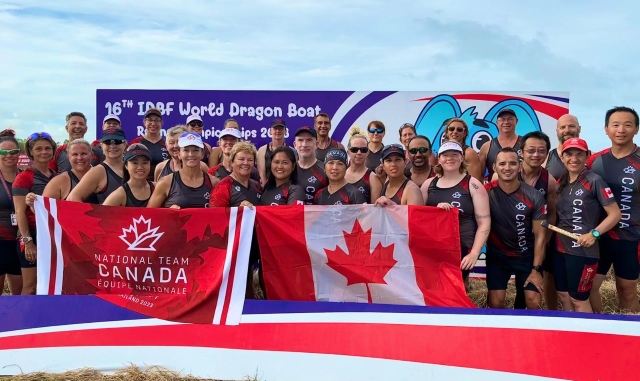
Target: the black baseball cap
pixel 307 129
pixel 278 123
pixel 153 111
pixel 112 134
pixel 136 150
pixel 507 111
pixel 391 149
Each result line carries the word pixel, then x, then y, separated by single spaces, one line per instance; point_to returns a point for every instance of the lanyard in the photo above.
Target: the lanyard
pixel 6 188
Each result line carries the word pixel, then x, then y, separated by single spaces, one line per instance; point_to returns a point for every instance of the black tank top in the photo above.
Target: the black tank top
pixel 364 186
pixel 459 197
pixel 73 181
pixel 268 155
pixel 321 153
pixel 113 183
pixel 373 160
pixel 132 200
pixel 555 166
pixel 187 197
pixel 494 148
pixel 166 170
pixel 397 198
pixel 542 183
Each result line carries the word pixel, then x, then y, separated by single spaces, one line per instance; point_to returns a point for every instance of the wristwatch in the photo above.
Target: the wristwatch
pixel 538 268
pixel 26 239
pixel 595 233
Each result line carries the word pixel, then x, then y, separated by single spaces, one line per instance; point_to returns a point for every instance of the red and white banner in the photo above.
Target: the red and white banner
pixel 180 265
pixel 362 253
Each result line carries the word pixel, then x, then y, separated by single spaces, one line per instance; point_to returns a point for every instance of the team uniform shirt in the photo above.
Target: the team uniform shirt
pixel 166 170
pixel 579 211
pixel 555 166
pixel 30 181
pixel 285 194
pixel 364 186
pixel 408 174
pixel 185 196
pixel 374 160
pixel 60 162
pixel 113 183
pixel 221 172
pixel 73 181
pixel 321 154
pixel 268 155
pixel 8 232
pixel 131 198
pixel 512 217
pixel 542 183
pixel 230 193
pixel 623 177
pixel 347 195
pixel 397 198
pixel 158 151
pixel 312 179
pixel 494 148
pixel 459 197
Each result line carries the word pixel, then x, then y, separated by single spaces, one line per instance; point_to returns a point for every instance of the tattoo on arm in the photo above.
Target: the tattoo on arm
pixel 483 216
pixel 474 186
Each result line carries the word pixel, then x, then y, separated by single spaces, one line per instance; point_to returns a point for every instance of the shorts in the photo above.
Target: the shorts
pixel 550 252
pixel 574 274
pixel 464 251
pixel 499 269
pixel 23 260
pixel 623 255
pixel 9 260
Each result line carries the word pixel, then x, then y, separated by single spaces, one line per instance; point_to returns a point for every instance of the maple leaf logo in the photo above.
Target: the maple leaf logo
pixel 360 265
pixel 140 235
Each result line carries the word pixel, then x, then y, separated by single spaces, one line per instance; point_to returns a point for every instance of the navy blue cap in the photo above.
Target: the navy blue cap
pixel 307 129
pixel 391 149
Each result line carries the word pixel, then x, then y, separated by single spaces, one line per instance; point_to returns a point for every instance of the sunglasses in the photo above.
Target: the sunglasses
pixel 373 130
pixel 407 125
pixel 359 149
pixel 37 135
pixel 422 150
pixel 194 123
pixel 9 151
pixel 394 145
pixel 458 129
pixel 112 141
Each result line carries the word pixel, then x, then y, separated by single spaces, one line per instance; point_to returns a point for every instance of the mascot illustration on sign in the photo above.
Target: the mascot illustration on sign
pixel 432 119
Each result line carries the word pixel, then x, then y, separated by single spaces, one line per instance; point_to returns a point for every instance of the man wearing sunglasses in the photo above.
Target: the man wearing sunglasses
pixel 419 157
pixel 322 125
pixel 507 137
pixel 76 128
pixel 195 124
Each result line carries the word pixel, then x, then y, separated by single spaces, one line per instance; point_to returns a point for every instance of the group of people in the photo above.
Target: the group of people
pixel 504 194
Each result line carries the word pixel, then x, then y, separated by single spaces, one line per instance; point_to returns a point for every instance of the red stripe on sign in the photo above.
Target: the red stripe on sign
pixel 546 353
pixel 51 224
pixel 232 268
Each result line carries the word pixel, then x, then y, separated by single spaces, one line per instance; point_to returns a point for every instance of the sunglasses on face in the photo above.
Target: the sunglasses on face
pixel 193 124
pixel 112 142
pixel 154 120
pixel 422 150
pixel 37 135
pixel 359 149
pixel 136 146
pixel 459 129
pixel 373 130
pixel 9 151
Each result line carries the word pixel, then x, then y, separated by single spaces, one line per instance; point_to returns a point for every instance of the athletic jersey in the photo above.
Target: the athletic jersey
pixel 73 181
pixel 364 186
pixel 285 194
pixel 347 195
pixel 185 196
pixel 373 160
pixel 512 217
pixel 542 183
pixel 113 183
pixel 268 155
pixel 166 170
pixel 230 193
pixel 408 174
pixel 494 148
pixel 623 177
pixel 158 151
pixel 207 152
pixel 322 153
pixel 132 200
pixel 60 162
pixel 30 181
pixel 312 179
pixel 221 172
pixel 8 232
pixel 555 166
pixel 579 211
pixel 457 196
pixel 397 198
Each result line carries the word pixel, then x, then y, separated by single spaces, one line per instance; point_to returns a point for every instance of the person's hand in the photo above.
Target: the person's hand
pixel 382 175
pixel 469 261
pixel 444 205
pixel 174 207
pixel 30 252
pixel 586 240
pixel 30 199
pixel 247 204
pixel 384 201
pixel 536 278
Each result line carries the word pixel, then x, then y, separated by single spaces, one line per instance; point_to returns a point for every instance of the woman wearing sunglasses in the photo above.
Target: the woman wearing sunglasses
pixel 9 257
pixel 136 190
pixel 376 132
pixel 397 189
pixel 195 125
pixel 40 147
pixel 105 178
pixel 357 172
pixel 282 186
pixel 457 130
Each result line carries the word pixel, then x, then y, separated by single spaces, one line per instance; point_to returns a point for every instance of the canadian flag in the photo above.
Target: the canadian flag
pixel 607 193
pixel 362 253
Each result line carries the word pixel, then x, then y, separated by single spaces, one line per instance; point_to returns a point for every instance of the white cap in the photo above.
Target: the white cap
pixel 232 132
pixel 190 139
pixel 450 146
pixel 110 116
pixel 193 117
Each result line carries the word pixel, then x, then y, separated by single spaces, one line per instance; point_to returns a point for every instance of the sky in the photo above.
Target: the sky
pixel 57 53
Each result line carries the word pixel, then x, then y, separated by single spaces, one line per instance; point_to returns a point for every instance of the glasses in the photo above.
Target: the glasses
pixel 359 149
pixel 9 151
pixel 37 135
pixel 407 125
pixel 154 120
pixel 373 130
pixel 422 150
pixel 194 123
pixel 112 142
pixel 458 129
pixel 394 146
pixel 540 152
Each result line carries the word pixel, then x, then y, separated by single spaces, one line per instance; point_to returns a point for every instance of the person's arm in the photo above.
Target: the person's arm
pixel 92 182
pixel 473 164
pixel 221 195
pixel 539 248
pixel 204 167
pixel 117 198
pixel 159 169
pixel 262 170
pixel 53 189
pixel 376 187
pixel 160 193
pixel 424 189
pixel 482 214
pixel 482 157
pixel 20 188
pixel 552 197
pixel 613 217
pixel 214 156
pixel 603 193
pixel 412 195
pixel 297 195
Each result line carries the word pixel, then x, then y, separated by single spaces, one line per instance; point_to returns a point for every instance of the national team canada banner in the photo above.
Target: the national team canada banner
pixel 185 266
pixel 362 253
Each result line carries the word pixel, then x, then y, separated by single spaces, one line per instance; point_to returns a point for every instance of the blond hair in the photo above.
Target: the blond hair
pixel 354 133
pixel 245 147
pixel 177 130
pixel 78 141
pixel 463 166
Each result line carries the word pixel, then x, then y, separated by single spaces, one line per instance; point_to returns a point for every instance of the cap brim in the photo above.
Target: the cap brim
pixel 278 125
pixel 111 137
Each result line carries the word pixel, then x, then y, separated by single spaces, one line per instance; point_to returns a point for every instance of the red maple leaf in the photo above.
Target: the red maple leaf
pixel 360 265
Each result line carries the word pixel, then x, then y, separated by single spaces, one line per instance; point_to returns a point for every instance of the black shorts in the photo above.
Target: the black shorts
pixel 9 260
pixel 547 264
pixel 623 255
pixel 499 269
pixel 574 274
pixel 23 260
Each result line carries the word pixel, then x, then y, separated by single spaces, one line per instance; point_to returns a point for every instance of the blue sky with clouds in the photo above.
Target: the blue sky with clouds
pixel 57 53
